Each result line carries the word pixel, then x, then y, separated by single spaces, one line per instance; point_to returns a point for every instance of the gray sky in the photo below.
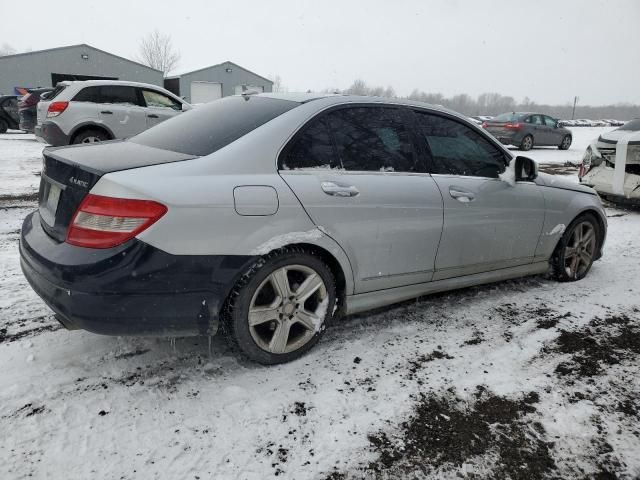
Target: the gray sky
pixel 548 50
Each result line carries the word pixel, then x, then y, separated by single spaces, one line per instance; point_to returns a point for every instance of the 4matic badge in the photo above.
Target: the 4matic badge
pixel 79 183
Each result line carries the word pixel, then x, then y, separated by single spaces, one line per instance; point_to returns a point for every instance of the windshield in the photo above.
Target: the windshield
pixel 632 125
pixel 211 126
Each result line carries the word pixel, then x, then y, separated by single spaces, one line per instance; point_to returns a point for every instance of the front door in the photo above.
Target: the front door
pixel 358 176
pixel 489 223
pixel 159 107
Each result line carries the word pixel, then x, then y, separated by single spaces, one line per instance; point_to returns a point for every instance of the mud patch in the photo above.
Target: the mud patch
pixel 32 332
pixel 445 433
pixel 602 342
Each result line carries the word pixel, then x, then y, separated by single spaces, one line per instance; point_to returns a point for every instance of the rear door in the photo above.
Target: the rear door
pixel 488 223
pixel 360 179
pixel 159 107
pixel 537 129
pixel 121 109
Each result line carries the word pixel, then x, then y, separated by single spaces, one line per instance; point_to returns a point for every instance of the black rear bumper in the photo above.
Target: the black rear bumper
pixel 132 289
pixel 51 134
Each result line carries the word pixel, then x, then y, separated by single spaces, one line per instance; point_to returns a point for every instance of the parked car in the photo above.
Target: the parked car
pixel 611 164
pixel 98 110
pixel 293 210
pixel 526 130
pixel 8 113
pixel 27 108
pixel 583 122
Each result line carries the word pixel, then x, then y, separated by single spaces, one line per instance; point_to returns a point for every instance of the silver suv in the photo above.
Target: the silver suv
pixel 98 110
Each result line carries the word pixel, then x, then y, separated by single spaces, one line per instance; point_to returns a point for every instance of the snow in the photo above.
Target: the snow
pixel 509 174
pixel 75 405
pixel 286 239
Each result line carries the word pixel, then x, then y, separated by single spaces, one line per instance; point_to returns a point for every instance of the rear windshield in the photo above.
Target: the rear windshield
pixel 56 91
pixel 507 117
pixel 633 125
pixel 211 126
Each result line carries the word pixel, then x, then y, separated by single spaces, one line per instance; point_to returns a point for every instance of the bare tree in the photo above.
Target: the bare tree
pixel 6 49
pixel 156 51
pixel 278 86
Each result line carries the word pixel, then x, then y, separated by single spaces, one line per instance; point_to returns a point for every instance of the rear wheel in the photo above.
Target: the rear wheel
pixel 526 143
pixel 91 136
pixel 566 143
pixel 279 309
pixel 577 249
pixel 3 126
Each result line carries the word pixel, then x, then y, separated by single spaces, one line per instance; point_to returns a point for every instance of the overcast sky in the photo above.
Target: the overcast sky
pixel 548 50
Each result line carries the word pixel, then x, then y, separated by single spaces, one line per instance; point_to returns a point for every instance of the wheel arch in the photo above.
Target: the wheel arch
pixel 602 228
pixel 82 127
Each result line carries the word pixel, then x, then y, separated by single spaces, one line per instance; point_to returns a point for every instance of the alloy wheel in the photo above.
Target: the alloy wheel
pixel 566 143
pixel 287 309
pixel 580 250
pixel 90 140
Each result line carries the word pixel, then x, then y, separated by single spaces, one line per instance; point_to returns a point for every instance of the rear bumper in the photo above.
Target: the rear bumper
pixel 507 138
pixel 132 289
pixel 51 134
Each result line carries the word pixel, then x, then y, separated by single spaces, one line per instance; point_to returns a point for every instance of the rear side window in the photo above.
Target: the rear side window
pixel 214 125
pixel 311 149
pixel 534 119
pixel 116 94
pixel 373 139
pixel 458 150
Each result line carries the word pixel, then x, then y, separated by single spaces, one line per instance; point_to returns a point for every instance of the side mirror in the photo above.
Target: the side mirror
pixel 526 169
pixel 558 124
pixel 186 107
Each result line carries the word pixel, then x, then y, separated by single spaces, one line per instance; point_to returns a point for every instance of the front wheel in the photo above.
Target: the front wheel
pixel 527 143
pixel 280 308
pixel 566 143
pixel 577 249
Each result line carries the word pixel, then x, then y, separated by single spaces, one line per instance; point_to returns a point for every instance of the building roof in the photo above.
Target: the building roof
pixel 178 75
pixel 76 46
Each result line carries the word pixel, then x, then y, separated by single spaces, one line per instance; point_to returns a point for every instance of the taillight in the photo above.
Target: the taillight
pixel 56 108
pixel 513 126
pixel 105 222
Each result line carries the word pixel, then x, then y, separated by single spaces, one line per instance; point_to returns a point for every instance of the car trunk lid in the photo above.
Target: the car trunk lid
pixel 69 173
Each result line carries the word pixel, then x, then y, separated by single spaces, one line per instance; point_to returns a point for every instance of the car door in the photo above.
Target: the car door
pixel 159 107
pixel 537 129
pixel 553 134
pixel 489 223
pixel 359 177
pixel 120 109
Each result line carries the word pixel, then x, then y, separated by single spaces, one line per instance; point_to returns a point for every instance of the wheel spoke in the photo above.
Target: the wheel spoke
pixel 588 237
pixel 280 282
pixel 312 283
pixel 585 258
pixel 278 343
pixel 573 268
pixel 570 252
pixel 260 315
pixel 309 320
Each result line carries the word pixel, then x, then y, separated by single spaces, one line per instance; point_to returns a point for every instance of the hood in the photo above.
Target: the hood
pixel 613 137
pixel 557 181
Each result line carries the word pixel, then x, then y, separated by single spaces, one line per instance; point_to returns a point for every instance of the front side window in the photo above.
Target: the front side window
pixel 157 99
pixel 373 139
pixel 549 122
pixel 458 150
pixel 311 149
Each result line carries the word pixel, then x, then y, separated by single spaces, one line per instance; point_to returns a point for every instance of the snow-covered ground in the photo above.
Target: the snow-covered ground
pixel 524 379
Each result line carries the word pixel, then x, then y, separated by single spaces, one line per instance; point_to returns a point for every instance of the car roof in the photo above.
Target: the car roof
pixel 124 83
pixel 337 99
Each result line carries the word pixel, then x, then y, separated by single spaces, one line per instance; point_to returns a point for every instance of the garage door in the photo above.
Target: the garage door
pixel 243 88
pixel 202 92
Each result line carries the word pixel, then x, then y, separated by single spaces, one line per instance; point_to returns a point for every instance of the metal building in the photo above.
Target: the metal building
pixel 45 68
pixel 211 83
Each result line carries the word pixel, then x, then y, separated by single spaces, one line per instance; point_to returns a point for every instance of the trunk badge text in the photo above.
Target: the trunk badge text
pixel 79 183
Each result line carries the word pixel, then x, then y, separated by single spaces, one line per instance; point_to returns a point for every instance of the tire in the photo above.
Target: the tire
pixel 576 238
pixel 566 143
pixel 527 143
pixel 284 330
pixel 3 126
pixel 91 136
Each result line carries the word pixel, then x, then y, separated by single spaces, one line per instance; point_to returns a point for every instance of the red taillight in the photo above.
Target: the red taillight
pixel 56 108
pixel 105 222
pixel 513 126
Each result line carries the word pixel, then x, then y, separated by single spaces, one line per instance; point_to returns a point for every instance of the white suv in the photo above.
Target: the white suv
pixel 98 110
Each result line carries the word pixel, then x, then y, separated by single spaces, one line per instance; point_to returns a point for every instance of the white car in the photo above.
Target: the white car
pixel 98 110
pixel 611 164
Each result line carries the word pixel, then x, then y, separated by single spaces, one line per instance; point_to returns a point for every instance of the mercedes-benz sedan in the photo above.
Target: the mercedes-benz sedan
pixel 272 216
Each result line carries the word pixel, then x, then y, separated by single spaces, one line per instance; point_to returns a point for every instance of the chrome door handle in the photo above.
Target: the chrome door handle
pixel 461 195
pixel 339 190
pixel 106 112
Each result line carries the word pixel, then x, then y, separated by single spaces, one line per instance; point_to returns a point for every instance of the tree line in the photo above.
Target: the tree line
pixel 495 103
